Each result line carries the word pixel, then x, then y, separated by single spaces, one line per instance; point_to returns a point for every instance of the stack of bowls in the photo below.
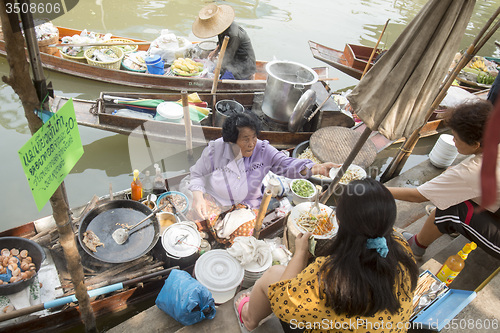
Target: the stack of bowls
pixel 444 151
pixel 253 271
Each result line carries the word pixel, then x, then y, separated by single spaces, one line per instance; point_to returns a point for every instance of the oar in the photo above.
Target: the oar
pixel 216 74
pixel 99 44
pixel 92 293
pixel 374 49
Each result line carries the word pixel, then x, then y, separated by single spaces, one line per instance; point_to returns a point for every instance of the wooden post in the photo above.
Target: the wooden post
pixel 262 213
pixel 187 125
pixel 18 78
pixel 216 75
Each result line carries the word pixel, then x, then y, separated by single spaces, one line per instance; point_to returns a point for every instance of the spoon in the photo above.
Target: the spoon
pixel 121 235
pixel 315 209
pixel 175 209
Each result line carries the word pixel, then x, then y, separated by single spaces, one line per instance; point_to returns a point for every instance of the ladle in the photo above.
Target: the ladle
pixel 121 235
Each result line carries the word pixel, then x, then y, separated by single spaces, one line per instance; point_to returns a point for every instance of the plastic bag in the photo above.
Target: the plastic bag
pixel 169 47
pixel 185 299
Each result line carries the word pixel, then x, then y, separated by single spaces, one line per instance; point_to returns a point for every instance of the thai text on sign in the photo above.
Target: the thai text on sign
pixel 51 153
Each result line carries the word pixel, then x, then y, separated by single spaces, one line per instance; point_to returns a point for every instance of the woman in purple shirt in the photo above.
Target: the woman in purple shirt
pixel 230 170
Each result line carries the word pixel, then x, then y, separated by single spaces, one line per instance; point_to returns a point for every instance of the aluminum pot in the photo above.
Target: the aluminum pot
pixel 181 243
pixel 286 82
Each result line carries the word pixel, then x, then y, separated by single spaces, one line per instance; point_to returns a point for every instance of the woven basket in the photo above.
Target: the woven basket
pixel 115 64
pixel 123 40
pixel 67 56
pixel 43 45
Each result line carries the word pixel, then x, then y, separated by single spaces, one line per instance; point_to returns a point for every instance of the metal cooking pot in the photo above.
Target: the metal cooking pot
pixel 203 49
pixel 107 217
pixel 181 243
pixel 286 82
pixel 36 253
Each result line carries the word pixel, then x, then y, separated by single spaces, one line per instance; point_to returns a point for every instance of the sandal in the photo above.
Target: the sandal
pixel 238 309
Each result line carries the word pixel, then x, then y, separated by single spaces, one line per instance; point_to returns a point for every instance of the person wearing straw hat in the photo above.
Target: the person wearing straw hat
pixel 239 57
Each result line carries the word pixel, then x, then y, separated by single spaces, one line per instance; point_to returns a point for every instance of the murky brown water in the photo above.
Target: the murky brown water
pixel 279 29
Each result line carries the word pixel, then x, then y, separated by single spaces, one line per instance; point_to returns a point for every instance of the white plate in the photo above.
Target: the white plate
pixel 359 173
pixel 304 207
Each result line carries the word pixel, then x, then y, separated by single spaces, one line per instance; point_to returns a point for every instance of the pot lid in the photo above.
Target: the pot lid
pixel 181 240
pixel 170 110
pixel 218 271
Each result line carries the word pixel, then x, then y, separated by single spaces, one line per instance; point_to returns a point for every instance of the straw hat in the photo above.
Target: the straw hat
pixel 212 20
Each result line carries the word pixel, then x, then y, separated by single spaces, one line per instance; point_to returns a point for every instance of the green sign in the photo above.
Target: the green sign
pixel 51 153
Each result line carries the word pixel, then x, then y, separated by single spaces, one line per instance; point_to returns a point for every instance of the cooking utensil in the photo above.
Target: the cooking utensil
pixel 315 210
pixel 175 209
pixel 106 217
pixel 121 235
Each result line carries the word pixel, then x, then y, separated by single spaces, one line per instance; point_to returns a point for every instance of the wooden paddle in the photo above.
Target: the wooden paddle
pixel 99 44
pixel 374 49
pixel 92 293
pixel 187 124
pixel 216 74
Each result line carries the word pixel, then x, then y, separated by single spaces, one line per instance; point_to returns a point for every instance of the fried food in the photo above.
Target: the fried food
pixel 91 240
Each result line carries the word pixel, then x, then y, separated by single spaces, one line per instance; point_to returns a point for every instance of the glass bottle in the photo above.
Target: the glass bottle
pixel 159 183
pixel 136 187
pixel 147 184
pixel 454 264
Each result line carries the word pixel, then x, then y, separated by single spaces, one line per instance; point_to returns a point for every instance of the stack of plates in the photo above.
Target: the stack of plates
pixel 253 271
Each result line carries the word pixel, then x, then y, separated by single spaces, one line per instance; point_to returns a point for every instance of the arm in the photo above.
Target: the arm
pixel 320 169
pixel 299 259
pixel 407 194
pixel 198 172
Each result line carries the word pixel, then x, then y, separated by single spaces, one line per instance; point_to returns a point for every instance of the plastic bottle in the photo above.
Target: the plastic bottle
pixel 454 264
pixel 159 182
pixel 136 187
pixel 147 185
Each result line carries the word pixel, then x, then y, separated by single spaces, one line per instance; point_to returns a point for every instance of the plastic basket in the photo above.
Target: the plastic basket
pixel 115 64
pixel 123 40
pixel 125 67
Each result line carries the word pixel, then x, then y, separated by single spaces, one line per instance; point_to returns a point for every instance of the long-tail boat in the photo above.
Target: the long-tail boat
pixel 167 82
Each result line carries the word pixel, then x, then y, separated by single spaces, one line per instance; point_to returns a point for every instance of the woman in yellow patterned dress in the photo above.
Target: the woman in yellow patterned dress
pixel 365 284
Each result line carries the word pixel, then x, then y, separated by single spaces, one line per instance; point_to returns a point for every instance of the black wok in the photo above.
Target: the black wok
pixel 107 217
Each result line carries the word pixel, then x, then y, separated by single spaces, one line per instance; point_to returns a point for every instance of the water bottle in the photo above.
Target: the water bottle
pixel 147 184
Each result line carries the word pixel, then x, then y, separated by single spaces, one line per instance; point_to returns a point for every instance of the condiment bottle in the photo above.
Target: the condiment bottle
pixel 454 264
pixel 147 184
pixel 159 182
pixel 136 187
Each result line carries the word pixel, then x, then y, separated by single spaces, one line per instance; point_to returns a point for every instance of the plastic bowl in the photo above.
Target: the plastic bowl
pixel 36 253
pixel 296 198
pixel 160 199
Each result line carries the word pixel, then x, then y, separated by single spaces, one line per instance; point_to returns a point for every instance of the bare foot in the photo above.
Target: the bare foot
pixel 244 310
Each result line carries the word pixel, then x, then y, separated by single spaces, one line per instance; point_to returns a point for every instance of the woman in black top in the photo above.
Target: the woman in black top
pixel 239 58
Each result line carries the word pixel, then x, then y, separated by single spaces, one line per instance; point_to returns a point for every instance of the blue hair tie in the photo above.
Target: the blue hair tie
pixel 379 244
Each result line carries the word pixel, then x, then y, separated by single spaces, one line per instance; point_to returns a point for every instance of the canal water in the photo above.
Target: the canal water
pixel 279 29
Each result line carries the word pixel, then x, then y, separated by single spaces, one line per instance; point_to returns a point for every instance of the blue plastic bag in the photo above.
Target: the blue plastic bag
pixel 185 299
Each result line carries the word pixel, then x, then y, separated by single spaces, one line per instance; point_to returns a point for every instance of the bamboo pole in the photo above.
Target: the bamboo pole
pixel 375 49
pixel 409 144
pixel 18 77
pixel 99 44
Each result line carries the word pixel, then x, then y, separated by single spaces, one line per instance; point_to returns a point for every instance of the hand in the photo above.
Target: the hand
pixel 200 205
pixel 302 242
pixel 324 168
pixel 213 54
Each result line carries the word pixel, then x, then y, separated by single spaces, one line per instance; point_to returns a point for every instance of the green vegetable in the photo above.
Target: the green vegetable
pixel 303 188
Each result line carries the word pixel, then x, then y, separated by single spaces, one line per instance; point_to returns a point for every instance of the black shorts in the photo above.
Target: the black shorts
pixel 483 227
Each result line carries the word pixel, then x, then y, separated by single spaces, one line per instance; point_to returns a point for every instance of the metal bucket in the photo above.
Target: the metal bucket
pixel 224 108
pixel 286 82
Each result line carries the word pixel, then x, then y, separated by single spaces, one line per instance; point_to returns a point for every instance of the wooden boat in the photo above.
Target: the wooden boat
pixel 116 306
pixel 141 80
pixel 351 61
pixel 98 114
